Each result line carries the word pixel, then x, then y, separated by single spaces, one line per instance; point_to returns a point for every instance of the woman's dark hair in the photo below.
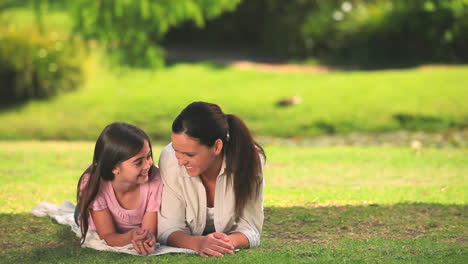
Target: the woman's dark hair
pixel 206 122
pixel 118 142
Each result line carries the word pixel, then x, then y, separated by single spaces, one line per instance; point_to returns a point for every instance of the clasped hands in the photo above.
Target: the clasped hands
pixel 216 244
pixel 143 241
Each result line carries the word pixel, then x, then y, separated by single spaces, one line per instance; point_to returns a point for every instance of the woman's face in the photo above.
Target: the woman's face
pixel 194 156
pixel 136 168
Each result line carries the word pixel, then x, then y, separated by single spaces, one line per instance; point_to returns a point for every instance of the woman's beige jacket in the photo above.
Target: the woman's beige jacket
pixel 184 208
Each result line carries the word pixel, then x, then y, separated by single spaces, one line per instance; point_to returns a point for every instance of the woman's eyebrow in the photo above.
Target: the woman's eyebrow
pixel 190 153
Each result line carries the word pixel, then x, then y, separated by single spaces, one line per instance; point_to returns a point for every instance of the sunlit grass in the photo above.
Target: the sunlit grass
pixel 32 172
pixel 427 98
pixel 340 102
pixel 322 205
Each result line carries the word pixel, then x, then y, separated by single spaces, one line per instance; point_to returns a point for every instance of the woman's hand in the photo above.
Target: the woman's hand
pixel 143 241
pixel 215 245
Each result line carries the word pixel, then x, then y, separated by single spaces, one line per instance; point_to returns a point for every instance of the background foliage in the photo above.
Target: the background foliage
pixel 133 29
pixel 371 33
pixel 38 61
pixel 38 65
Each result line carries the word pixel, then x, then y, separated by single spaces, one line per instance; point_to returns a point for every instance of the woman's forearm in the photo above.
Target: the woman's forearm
pixel 238 240
pixel 182 240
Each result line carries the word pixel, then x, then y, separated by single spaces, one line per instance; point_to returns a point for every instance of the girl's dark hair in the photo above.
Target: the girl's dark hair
pixel 206 122
pixel 118 142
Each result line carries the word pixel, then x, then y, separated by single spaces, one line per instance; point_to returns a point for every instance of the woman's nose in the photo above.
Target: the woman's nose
pixel 182 161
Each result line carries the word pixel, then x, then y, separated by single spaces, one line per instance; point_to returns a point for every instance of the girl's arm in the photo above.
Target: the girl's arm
pixel 106 230
pixel 149 223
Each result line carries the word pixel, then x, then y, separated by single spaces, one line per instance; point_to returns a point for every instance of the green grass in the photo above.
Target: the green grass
pixel 333 102
pixel 322 205
pixel 428 98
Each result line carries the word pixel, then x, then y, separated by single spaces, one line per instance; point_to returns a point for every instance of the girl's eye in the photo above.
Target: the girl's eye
pixel 138 163
pixel 190 155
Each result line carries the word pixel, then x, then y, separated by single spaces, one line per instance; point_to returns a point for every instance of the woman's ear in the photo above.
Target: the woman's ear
pixel 116 170
pixel 218 146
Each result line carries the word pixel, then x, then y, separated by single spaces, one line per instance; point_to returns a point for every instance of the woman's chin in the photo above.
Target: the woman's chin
pixel 192 172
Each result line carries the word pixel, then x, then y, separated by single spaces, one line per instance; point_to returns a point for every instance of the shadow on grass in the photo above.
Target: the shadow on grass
pixel 409 231
pixel 331 224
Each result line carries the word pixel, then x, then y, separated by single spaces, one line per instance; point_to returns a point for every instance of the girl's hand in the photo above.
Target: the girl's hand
pixel 215 245
pixel 150 243
pixel 138 236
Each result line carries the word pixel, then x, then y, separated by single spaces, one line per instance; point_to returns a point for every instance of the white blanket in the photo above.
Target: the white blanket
pixel 63 214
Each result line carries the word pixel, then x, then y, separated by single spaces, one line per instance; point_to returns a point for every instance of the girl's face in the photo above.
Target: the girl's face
pixel 135 169
pixel 195 157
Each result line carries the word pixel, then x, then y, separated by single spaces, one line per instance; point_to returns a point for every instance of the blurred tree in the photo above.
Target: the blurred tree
pixel 132 29
pixel 361 33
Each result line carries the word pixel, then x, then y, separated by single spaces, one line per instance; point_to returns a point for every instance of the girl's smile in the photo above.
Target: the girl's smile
pixel 135 170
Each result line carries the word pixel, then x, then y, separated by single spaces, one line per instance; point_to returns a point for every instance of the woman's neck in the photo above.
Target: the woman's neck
pixel 212 173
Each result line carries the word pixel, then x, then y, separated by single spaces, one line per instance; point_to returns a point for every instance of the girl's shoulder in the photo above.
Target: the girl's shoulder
pixel 155 177
pixel 84 180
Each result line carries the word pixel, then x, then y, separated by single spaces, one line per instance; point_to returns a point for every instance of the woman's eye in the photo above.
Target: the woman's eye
pixel 190 155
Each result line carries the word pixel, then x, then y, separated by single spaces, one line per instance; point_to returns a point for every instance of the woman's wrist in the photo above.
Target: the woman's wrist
pixel 239 240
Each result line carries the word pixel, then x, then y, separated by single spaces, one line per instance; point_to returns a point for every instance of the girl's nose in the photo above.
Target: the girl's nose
pixel 148 163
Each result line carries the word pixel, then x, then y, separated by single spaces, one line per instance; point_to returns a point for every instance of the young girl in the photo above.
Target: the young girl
pixel 119 195
pixel 213 183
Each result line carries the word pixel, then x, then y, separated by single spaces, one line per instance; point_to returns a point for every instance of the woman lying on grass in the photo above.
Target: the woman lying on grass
pixel 119 195
pixel 213 185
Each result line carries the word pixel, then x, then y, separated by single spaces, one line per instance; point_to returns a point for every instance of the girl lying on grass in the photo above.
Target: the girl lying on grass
pixel 119 194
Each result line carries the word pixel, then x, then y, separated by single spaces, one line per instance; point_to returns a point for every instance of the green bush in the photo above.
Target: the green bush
pixel 34 65
pixel 393 33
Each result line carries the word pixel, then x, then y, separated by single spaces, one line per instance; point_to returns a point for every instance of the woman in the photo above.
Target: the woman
pixel 213 185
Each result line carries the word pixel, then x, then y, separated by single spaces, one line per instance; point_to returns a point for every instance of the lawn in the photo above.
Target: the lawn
pixel 415 99
pixel 322 205
pixel 423 98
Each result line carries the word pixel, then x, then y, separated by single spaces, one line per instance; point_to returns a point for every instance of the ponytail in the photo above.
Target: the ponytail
pixel 207 123
pixel 243 162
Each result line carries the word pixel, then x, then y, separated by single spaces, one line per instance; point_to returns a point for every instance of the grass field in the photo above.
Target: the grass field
pixel 425 98
pixel 333 102
pixel 322 205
